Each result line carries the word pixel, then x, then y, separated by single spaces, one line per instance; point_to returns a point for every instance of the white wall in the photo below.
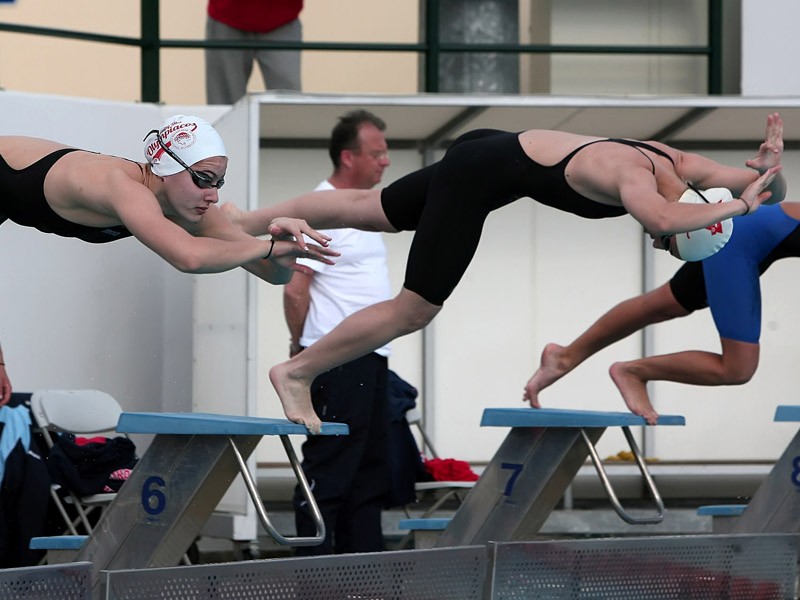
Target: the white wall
pixel 635 23
pixel 770 46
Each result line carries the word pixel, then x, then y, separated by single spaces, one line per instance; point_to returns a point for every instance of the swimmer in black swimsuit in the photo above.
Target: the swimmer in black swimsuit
pixel 167 203
pixel 727 282
pixel 448 202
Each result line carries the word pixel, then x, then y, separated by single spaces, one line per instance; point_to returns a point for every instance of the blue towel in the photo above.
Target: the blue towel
pixel 17 429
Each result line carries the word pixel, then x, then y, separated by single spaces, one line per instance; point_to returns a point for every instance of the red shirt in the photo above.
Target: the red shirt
pixel 254 15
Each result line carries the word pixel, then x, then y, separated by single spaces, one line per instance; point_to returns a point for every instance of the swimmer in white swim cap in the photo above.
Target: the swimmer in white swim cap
pixel 701 243
pixel 169 203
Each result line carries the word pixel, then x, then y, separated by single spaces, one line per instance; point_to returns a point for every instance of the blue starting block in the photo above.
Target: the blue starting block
pixel 723 516
pixel 178 483
pixel 533 467
pixel 775 507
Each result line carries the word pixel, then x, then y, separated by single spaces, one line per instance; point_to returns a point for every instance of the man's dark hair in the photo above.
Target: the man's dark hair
pixel 345 134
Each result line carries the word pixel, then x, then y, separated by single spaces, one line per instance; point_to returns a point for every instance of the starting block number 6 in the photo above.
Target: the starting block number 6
pixel 153 499
pixel 515 469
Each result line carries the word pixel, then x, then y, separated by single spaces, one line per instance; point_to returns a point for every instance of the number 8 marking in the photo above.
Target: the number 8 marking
pixel 796 472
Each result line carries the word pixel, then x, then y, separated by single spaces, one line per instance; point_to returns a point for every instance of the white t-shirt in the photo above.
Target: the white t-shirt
pixel 359 278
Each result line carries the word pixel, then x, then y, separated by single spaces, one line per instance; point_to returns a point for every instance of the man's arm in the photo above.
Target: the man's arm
pixel 296 301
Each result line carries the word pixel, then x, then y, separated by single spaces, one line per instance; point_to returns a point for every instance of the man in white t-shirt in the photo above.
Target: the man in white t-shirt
pixel 348 474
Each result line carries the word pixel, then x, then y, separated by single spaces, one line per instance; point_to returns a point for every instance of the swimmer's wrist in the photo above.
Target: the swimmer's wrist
pixel 271 247
pixel 746 207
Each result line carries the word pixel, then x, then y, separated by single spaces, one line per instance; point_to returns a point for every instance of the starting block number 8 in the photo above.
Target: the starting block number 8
pixel 796 471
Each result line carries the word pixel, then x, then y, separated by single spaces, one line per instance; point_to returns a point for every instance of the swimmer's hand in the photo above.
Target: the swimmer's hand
pixel 754 195
pixel 287 250
pixel 771 150
pixel 283 227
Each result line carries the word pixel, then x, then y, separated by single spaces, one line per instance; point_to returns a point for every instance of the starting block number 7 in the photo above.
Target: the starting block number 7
pixel 515 469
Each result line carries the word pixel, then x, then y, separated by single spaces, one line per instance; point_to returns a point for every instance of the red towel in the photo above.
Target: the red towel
pixel 450 469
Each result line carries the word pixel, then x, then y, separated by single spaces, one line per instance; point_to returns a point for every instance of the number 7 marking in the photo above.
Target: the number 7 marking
pixel 515 469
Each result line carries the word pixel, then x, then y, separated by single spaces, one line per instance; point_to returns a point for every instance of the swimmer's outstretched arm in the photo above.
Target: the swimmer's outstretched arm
pixel 329 209
pixel 706 173
pixel 660 217
pixel 278 265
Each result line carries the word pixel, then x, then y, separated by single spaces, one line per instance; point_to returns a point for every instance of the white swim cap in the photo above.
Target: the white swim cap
pixel 702 243
pixel 192 139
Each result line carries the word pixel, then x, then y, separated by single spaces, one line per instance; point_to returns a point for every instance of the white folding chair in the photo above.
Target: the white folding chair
pixel 82 413
pixel 435 492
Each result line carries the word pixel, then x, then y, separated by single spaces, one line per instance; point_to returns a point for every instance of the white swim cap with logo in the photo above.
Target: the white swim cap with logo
pixel 192 139
pixel 702 243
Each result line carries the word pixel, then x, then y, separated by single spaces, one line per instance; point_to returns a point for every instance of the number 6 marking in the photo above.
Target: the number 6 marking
pixel 515 469
pixel 153 500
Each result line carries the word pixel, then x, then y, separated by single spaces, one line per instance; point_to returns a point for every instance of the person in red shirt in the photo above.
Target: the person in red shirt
pixel 228 70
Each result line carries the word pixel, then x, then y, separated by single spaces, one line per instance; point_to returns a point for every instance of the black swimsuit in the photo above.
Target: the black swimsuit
pixel 23 201
pixel 448 202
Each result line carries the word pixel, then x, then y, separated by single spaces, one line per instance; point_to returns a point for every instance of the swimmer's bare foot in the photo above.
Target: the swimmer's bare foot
pixel 552 368
pixel 634 392
pixel 295 396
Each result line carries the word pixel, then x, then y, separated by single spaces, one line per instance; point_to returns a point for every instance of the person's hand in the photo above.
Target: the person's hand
pixel 754 194
pixel 286 252
pixel 5 386
pixel 771 150
pixel 283 227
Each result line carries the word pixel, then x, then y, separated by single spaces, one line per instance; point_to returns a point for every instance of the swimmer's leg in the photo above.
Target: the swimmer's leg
pixel 618 323
pixel 361 333
pixel 734 366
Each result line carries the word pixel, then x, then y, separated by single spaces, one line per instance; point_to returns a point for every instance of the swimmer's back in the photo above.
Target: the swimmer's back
pixel 20 152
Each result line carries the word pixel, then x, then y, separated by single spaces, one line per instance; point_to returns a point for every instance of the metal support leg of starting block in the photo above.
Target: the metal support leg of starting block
pixel 531 470
pixel 775 507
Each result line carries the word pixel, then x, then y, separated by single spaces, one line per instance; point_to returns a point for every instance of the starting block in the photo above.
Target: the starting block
pixel 178 483
pixel 775 507
pixel 533 467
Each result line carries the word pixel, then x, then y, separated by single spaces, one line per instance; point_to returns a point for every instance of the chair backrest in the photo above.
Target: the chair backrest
pixel 75 411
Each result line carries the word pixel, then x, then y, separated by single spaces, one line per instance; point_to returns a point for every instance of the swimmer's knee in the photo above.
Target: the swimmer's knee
pixel 414 313
pixel 739 373
pixel 417 318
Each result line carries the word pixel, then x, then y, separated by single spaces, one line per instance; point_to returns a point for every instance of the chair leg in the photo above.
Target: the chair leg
pixel 82 514
pixel 67 519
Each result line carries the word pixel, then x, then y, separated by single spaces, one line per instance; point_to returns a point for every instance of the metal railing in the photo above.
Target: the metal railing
pixel 150 45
